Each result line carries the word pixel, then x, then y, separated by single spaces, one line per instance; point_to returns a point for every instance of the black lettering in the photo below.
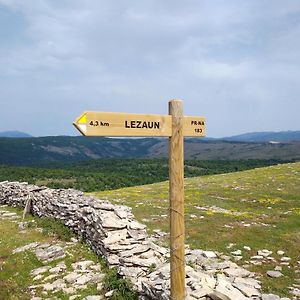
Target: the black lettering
pixel 139 124
pixel 156 125
pixel 132 123
pixel 126 125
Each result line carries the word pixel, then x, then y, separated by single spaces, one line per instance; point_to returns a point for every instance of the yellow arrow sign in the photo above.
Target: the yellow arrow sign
pixel 124 124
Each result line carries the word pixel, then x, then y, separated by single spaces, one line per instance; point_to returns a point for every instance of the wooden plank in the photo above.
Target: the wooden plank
pixel 194 126
pixel 176 195
pixel 123 124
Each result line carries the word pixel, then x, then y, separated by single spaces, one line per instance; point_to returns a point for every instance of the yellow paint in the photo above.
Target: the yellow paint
pixel 82 120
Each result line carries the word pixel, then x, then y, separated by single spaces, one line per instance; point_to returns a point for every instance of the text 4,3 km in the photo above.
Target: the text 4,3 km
pixel 98 123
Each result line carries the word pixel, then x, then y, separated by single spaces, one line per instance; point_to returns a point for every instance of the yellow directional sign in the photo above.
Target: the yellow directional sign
pixel 124 124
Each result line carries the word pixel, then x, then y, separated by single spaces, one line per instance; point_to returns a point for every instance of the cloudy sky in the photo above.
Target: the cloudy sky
pixel 235 62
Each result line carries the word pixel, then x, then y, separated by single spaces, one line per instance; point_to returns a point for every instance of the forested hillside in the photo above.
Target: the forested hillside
pixel 37 151
pixel 105 174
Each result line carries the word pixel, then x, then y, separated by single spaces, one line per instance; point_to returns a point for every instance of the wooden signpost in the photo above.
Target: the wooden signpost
pixel 176 127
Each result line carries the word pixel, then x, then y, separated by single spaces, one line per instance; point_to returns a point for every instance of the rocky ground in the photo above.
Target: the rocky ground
pixel 126 245
pixel 61 275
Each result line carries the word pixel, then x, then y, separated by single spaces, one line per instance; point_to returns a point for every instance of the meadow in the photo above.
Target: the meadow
pixel 258 208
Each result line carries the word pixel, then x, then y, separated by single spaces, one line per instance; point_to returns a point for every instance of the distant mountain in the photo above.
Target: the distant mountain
pixel 14 134
pixel 42 150
pixel 282 136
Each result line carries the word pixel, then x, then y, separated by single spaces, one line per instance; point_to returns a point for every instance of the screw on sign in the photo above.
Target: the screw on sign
pixel 176 127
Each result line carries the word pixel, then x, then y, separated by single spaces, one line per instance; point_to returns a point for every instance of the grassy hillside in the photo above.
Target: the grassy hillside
pixel 258 208
pixel 43 150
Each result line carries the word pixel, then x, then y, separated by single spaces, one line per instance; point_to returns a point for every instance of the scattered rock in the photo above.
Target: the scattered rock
pixel 109 294
pixel 25 248
pixel 274 274
pixel 285 259
pixel 209 254
pixel 264 253
pixel 50 254
pixel 270 297
pixel 40 270
pixel 236 253
pixel 94 297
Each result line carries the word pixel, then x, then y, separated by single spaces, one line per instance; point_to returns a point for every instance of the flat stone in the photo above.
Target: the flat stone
pixel 37 277
pixel 237 272
pixel 218 296
pixel 274 274
pixel 69 290
pixel 48 287
pixel 115 236
pixel 140 262
pixel 111 220
pixel 74 297
pixel 138 234
pixel 26 247
pixel 113 259
pixel 50 254
pixel 82 265
pixel 269 297
pixel 264 252
pixel 109 294
pixel 248 281
pixel 280 252
pixel 40 270
pixel 55 270
pixel 236 253
pixel 59 284
pixel 94 297
pixel 50 277
pixel 72 277
pixel 201 292
pixel 285 259
pixel 84 279
pixel 246 290
pixel 257 257
pixel 136 250
pixel 136 225
pixel 96 267
pixel 209 254
pixel 96 278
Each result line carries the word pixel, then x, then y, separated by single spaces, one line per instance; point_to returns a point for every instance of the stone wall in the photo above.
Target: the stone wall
pixel 112 232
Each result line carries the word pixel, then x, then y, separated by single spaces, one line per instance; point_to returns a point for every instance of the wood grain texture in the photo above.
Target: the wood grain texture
pixel 176 194
pixel 124 124
pixel 194 126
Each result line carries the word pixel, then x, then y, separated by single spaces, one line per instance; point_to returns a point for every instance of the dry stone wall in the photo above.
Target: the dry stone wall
pixel 112 232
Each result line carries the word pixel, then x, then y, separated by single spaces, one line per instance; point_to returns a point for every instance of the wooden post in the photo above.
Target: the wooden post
pixel 176 194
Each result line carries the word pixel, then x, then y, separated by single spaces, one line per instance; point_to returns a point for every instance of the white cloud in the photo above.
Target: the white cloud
pixel 238 57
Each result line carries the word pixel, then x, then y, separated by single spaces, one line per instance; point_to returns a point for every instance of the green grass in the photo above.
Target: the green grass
pixel 269 196
pixel 15 269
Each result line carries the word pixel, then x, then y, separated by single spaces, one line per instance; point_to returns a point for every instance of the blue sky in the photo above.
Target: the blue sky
pixel 234 62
